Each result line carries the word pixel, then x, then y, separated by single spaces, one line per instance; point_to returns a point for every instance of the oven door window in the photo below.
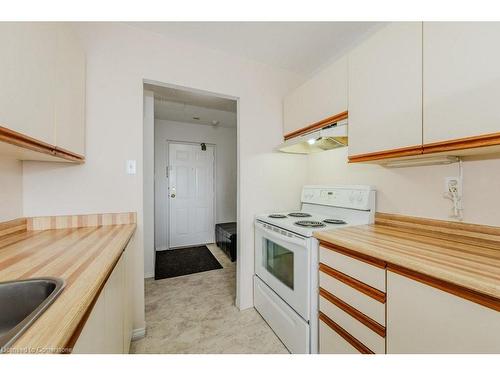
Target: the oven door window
pixel 278 261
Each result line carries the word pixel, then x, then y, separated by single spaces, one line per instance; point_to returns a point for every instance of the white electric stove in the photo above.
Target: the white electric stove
pixel 286 258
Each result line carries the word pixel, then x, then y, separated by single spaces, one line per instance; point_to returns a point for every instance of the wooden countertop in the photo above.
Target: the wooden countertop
pixel 465 255
pixel 83 257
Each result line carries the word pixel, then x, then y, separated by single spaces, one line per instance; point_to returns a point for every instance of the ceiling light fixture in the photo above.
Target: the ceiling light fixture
pixel 311 141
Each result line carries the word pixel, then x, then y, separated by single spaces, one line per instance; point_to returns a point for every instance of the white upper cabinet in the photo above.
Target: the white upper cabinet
pixel 324 95
pixel 27 77
pixel 461 80
pixel 42 86
pixel 385 90
pixel 70 92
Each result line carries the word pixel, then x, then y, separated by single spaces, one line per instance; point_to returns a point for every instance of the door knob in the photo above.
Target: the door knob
pixel 172 195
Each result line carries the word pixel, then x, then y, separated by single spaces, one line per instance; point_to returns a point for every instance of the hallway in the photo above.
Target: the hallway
pixel 196 314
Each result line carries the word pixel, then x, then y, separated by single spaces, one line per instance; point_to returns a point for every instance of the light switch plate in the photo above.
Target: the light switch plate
pixel 131 167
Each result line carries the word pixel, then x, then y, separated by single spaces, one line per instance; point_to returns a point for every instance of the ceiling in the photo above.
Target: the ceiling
pixel 191 107
pixel 300 47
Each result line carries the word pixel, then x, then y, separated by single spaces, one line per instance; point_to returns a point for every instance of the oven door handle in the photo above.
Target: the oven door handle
pixel 271 234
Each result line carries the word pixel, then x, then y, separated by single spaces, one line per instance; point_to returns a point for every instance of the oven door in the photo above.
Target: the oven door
pixel 282 261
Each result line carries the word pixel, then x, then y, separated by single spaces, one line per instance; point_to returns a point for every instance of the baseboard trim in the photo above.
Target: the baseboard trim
pixel 138 333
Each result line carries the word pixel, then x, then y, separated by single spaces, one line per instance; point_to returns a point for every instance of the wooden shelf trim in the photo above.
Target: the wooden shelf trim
pixel 485 140
pixel 376 327
pixel 69 155
pixel 21 140
pixel 317 125
pixel 353 283
pixel 354 342
pixel 387 154
pixel 459 291
pixel 353 254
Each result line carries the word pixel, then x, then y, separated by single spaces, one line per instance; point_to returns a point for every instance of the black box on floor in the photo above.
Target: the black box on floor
pixel 225 237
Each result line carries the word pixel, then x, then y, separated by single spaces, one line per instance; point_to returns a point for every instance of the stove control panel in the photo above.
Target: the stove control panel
pixel 357 197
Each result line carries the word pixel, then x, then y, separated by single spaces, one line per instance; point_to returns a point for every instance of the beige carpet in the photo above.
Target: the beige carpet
pixel 196 314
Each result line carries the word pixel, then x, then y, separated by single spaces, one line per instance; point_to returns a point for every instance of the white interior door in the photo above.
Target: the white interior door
pixel 191 195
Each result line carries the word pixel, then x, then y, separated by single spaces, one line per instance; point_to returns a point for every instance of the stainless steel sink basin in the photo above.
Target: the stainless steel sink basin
pixel 22 302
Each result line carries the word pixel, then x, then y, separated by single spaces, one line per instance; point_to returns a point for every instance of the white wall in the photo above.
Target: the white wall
pixel 11 189
pixel 224 140
pixel 119 58
pixel 416 191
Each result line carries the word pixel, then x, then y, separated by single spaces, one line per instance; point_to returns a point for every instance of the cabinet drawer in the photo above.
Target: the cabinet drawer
pixel 359 270
pixel 354 327
pixel 330 342
pixel 359 300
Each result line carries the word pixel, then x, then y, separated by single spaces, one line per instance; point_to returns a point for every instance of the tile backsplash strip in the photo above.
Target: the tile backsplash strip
pixel 80 221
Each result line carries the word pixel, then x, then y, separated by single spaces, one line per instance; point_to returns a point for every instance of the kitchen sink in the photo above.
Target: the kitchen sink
pixel 22 302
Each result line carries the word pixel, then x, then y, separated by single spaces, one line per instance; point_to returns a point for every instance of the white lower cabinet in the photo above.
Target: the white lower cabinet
pixel 409 318
pixel 128 300
pixel 114 306
pixel 92 340
pixel 423 319
pixel 351 304
pixel 109 326
pixel 330 342
pixel 354 327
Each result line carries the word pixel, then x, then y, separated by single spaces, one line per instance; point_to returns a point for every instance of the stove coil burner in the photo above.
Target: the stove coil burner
pixel 334 221
pixel 299 214
pixel 309 224
pixel 277 216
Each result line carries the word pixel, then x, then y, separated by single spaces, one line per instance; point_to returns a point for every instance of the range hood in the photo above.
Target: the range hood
pixel 327 138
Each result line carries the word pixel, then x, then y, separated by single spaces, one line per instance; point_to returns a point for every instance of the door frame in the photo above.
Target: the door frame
pixel 168 142
pixel 245 267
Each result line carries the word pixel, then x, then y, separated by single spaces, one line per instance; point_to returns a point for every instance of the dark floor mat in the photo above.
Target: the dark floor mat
pixel 178 262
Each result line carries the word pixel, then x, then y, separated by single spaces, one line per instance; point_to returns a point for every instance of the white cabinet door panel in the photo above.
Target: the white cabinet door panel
pixel 423 319
pixel 27 78
pixel 322 96
pixel 70 92
pixel 114 309
pixel 385 90
pixel 461 79
pixel 127 295
pixel 92 339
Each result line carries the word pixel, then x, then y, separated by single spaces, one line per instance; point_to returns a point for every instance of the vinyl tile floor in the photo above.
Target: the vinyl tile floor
pixel 196 314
